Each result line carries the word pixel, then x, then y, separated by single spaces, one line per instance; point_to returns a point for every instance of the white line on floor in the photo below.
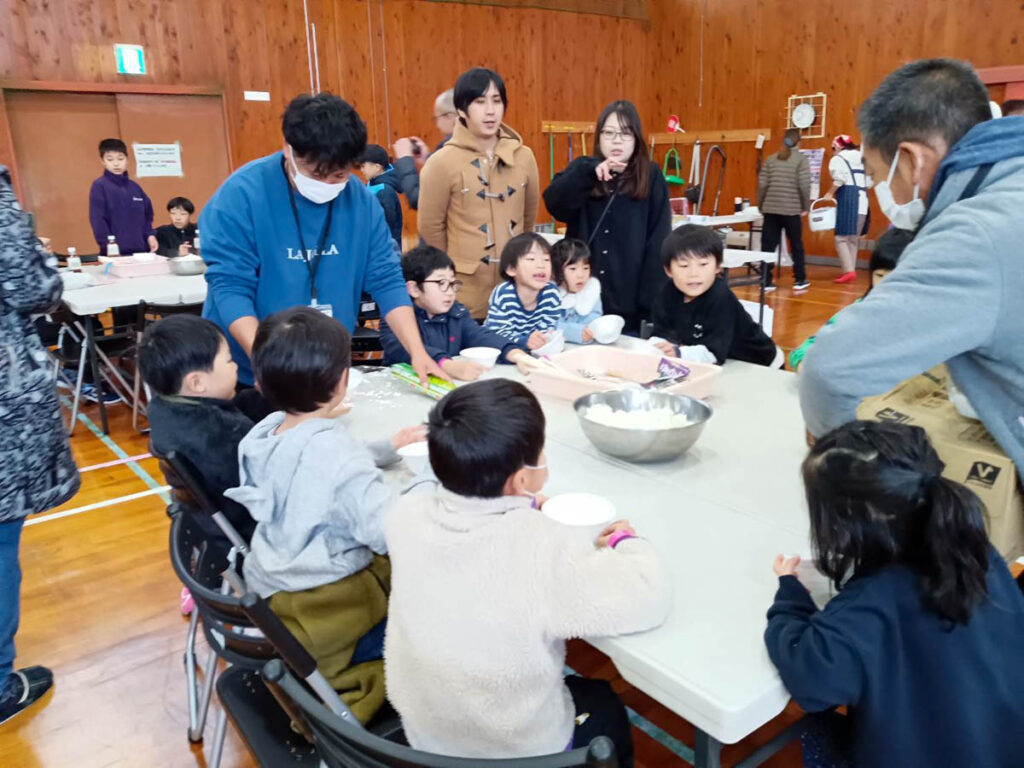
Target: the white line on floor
pixel 96 505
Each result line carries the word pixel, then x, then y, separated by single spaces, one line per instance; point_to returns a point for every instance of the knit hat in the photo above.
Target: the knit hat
pixel 375 153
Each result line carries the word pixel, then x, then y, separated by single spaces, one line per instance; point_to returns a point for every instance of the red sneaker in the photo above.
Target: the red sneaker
pixel 848 277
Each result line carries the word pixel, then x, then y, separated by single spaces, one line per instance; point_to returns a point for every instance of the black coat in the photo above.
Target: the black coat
pixel 386 188
pixel 626 251
pixel 715 319
pixel 207 432
pixel 169 237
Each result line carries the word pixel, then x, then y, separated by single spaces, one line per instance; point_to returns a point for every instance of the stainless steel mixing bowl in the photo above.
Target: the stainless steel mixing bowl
pixel 643 445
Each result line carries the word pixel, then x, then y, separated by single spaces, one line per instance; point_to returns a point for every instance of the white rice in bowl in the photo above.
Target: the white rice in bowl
pixel 657 418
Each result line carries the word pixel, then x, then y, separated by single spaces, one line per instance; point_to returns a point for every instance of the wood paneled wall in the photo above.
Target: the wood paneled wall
pixel 391 58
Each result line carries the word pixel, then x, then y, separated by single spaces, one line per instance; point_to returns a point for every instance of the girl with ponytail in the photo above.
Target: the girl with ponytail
pixel 924 642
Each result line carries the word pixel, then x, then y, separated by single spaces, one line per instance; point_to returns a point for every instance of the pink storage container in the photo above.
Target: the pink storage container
pixel 622 363
pixel 126 266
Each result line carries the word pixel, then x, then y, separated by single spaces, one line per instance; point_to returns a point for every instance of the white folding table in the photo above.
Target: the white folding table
pixel 126 292
pixel 719 515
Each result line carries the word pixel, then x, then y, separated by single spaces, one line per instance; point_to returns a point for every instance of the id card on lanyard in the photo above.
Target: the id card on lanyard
pixel 312 262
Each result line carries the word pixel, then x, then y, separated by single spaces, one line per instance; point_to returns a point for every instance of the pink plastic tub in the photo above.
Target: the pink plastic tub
pixel 126 266
pixel 617 363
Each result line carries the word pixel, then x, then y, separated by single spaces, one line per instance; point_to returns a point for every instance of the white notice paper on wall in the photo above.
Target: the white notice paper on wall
pixel 815 158
pixel 157 159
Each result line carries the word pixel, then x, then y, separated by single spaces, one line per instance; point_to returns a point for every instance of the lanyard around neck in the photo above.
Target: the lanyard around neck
pixel 312 264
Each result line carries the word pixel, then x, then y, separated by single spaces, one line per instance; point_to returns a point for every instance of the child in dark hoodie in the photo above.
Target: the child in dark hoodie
pixel 186 363
pixel 319 502
pixel 382 181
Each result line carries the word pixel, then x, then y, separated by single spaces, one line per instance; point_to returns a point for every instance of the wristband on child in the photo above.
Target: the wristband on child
pixel 442 361
pixel 619 536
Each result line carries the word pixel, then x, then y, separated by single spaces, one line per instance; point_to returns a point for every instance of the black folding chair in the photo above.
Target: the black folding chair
pixel 385 723
pixel 340 744
pixel 206 561
pixel 255 713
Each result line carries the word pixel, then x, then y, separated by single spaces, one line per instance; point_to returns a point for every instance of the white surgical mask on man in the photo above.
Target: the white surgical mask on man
pixel 314 190
pixel 905 215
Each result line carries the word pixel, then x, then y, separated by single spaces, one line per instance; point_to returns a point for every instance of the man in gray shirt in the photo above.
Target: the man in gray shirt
pixel 948 171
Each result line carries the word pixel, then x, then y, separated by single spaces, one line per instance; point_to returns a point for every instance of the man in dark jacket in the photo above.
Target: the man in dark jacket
pixel 38 471
pixel 411 153
pixel 446 326
pixel 381 180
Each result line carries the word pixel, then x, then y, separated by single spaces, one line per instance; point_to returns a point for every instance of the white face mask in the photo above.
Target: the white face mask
pixel 314 190
pixel 902 216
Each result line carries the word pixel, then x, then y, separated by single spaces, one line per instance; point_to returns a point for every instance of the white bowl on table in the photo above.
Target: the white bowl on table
pixel 485 356
pixel 587 513
pixel 555 344
pixel 416 456
pixel 607 328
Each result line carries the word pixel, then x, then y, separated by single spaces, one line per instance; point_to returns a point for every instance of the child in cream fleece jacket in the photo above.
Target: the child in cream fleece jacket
pixel 475 649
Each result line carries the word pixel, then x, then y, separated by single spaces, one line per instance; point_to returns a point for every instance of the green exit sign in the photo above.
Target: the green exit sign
pixel 131 60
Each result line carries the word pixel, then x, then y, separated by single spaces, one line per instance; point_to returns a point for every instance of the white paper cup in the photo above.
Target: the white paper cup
pixel 587 512
pixel 485 356
pixel 416 456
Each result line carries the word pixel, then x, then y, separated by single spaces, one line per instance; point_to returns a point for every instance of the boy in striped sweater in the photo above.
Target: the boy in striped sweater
pixel 527 307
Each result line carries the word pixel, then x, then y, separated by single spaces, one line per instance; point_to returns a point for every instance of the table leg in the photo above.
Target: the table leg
pixel 97 378
pixel 764 283
pixel 707 751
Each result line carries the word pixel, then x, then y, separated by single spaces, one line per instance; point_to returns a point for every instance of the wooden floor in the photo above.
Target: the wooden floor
pixel 100 607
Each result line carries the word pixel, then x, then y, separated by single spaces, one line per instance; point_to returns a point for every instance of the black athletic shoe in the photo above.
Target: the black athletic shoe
pixel 23 689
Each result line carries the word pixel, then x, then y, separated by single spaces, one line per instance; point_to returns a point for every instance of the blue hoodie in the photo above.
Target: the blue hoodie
pixel 251 244
pixel 955 298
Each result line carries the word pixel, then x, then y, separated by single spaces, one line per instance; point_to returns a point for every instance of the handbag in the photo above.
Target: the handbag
pixel 672 178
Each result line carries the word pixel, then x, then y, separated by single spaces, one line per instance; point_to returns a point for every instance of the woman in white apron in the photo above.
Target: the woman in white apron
pixel 850 185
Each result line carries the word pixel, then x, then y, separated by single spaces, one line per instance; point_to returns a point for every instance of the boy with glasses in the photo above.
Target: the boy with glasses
pixel 445 324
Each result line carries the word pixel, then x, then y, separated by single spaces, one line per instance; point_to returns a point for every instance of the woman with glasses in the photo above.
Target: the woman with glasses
pixel 617 202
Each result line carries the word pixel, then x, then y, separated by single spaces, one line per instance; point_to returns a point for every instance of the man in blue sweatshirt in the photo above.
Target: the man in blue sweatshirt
pixel 957 177
pixel 290 230
pixel 118 206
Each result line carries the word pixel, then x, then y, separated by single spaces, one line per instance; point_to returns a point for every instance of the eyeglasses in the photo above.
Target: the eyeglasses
pixel 443 114
pixel 447 285
pixel 609 135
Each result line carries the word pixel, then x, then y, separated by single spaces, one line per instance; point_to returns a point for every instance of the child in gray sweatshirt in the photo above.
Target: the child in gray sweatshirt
pixel 318 499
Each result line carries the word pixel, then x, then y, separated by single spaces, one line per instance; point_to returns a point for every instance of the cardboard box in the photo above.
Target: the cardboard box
pixel 971 455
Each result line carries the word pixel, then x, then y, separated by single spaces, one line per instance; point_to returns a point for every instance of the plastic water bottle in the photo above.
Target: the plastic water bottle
pixel 195 243
pixel 74 263
pixel 112 248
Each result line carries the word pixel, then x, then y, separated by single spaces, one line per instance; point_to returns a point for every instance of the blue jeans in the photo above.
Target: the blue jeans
pixel 10 589
pixel 371 645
